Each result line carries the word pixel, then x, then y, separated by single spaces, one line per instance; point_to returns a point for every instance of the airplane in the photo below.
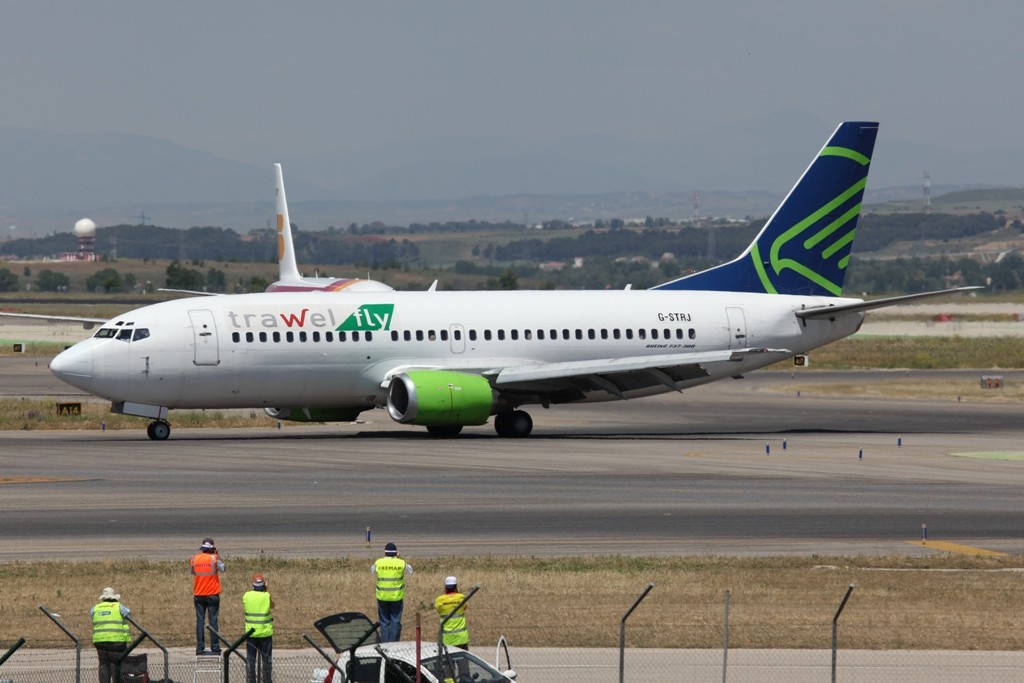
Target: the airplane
pixel 448 360
pixel 289 279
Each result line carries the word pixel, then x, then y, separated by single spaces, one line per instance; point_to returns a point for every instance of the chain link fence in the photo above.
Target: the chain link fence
pixel 582 665
pixel 713 641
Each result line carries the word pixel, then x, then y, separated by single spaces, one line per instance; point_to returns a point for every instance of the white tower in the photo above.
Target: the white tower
pixel 85 231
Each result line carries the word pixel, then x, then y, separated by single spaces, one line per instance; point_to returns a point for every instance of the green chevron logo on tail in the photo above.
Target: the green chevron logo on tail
pixel 805 246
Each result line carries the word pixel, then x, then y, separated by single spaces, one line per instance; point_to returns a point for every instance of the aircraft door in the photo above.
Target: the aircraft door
pixel 457 335
pixel 737 328
pixel 205 330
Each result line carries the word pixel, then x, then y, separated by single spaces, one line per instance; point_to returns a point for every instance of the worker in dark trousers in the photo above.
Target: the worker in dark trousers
pixel 390 572
pixel 259 617
pixel 205 567
pixel 110 633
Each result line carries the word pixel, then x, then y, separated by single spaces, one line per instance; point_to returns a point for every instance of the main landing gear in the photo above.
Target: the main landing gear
pixel 158 430
pixel 514 425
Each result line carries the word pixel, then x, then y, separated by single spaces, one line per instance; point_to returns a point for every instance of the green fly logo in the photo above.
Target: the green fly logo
pixel 369 317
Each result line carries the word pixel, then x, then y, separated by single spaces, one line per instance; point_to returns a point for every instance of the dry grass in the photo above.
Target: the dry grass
pixel 921 353
pixel 41 414
pixel 926 389
pixel 899 602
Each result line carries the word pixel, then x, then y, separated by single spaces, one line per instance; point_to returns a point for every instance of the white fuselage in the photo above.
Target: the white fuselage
pixel 339 349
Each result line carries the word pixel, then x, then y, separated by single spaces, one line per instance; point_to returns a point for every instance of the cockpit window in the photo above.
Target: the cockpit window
pixel 106 333
pixel 124 335
pixel 140 333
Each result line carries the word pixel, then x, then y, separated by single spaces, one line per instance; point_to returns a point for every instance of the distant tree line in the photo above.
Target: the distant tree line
pixel 613 257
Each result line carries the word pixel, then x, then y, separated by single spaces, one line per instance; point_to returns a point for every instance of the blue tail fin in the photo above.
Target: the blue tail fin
pixel 804 247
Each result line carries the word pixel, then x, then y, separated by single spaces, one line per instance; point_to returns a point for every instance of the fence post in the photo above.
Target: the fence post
pixel 725 640
pixel 232 648
pixel 350 647
pixel 331 661
pixel 124 655
pixel 226 643
pixel 167 667
pixel 78 644
pixel 622 632
pixel 835 629
pixel 14 648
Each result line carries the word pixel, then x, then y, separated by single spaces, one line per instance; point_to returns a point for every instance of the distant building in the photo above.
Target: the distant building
pixel 85 231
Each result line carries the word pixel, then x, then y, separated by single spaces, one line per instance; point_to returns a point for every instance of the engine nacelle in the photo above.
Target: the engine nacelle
pixel 440 397
pixel 314 414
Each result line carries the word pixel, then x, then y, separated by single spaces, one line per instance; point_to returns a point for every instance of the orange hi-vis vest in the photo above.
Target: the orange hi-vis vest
pixel 206 579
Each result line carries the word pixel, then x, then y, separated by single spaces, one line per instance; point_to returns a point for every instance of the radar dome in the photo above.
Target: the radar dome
pixel 85 228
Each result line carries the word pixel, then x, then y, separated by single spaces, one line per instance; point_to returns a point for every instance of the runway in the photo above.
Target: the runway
pixel 680 474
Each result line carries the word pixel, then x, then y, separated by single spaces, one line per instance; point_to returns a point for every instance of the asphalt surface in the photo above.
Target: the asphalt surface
pixel 680 474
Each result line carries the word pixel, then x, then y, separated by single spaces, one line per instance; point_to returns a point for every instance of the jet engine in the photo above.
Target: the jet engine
pixel 440 397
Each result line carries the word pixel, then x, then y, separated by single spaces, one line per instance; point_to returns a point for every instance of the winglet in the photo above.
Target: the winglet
pixel 804 248
pixel 288 269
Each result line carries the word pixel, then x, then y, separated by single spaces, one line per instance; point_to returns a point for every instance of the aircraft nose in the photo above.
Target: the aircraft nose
pixel 74 366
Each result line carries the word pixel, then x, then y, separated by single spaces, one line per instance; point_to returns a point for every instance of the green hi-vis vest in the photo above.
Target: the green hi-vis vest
pixel 390 579
pixel 257 613
pixel 455 630
pixel 108 626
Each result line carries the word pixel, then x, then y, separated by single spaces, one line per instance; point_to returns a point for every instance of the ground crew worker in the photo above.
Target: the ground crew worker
pixel 454 632
pixel 258 617
pixel 205 567
pixel 390 572
pixel 110 632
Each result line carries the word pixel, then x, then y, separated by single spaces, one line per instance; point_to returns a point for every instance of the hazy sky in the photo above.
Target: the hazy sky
pixel 256 80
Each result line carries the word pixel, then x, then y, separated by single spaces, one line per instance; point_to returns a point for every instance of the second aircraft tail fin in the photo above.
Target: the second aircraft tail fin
pixel 288 267
pixel 804 248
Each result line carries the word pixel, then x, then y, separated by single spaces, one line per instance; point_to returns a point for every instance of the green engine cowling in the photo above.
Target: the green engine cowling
pixel 314 414
pixel 440 397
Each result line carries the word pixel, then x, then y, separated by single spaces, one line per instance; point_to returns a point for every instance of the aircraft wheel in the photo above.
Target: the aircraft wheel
pixel 444 431
pixel 158 431
pixel 514 425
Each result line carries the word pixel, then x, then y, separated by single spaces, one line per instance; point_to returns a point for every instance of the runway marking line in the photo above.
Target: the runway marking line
pixel 957 548
pixel 35 480
pixel 991 455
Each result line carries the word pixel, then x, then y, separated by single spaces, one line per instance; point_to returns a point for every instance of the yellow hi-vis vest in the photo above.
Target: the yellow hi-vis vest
pixel 257 613
pixel 108 626
pixel 390 579
pixel 455 630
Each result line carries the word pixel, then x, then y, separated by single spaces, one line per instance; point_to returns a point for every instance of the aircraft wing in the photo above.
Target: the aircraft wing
pixel 570 380
pixel 87 323
pixel 190 292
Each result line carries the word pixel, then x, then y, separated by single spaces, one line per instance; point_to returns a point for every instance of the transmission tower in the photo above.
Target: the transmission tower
pixel 927 192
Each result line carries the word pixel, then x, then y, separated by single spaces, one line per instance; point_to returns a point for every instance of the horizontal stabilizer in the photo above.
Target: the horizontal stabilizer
pixel 861 306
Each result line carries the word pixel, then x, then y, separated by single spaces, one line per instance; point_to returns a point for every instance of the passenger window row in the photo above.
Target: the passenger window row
pixel 488 335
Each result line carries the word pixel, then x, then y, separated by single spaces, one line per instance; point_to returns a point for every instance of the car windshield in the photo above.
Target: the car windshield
pixel 463 668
